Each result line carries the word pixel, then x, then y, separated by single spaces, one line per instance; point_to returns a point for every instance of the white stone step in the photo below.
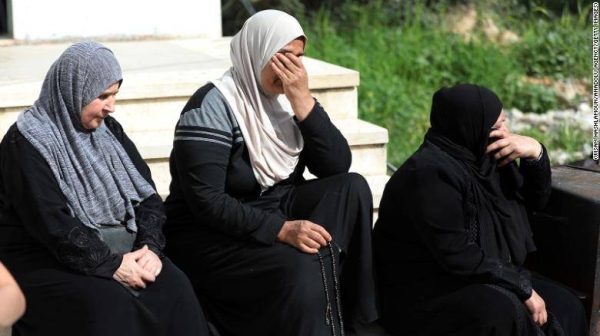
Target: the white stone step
pixel 376 184
pixel 367 142
pixel 159 77
pixel 154 112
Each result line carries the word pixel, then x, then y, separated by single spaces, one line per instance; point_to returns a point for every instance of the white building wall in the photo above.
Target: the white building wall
pixel 35 20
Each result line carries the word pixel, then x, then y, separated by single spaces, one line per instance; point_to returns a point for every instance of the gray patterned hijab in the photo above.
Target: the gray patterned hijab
pixel 94 172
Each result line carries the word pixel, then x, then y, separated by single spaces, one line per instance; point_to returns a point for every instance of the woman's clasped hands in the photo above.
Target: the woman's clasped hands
pixel 138 268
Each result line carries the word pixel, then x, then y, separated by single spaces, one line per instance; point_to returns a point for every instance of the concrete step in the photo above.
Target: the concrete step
pixel 159 77
pixel 367 142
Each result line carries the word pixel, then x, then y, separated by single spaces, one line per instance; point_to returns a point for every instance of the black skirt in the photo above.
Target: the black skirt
pixel 248 288
pixel 61 302
pixel 484 309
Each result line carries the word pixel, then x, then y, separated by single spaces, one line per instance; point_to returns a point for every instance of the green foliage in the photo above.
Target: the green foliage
pixel 235 12
pixel 405 53
pixel 531 97
pixel 559 48
pixel 564 137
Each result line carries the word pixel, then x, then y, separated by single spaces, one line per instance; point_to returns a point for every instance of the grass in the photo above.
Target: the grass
pixel 403 61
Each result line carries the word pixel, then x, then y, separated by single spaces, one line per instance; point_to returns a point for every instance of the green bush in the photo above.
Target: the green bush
pixel 404 54
pixel 557 48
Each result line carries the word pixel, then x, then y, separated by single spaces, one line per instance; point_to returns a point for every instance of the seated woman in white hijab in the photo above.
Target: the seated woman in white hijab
pixel 260 244
pixel 80 224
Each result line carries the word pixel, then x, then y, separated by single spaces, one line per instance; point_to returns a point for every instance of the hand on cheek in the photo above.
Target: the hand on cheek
pixel 508 147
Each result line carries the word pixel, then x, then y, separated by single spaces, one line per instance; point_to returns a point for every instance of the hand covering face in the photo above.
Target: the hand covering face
pixel 99 181
pixel 266 121
pixel 461 121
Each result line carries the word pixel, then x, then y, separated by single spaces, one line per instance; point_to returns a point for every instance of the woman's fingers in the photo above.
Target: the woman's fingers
pixel 494 146
pixel 275 65
pixel 289 68
pixel 544 317
pixel 143 261
pixel 513 147
pixel 140 278
pixel 146 275
pixel 139 253
pixel 280 67
pixel 500 133
pixel 307 249
pixel 304 235
pixel 292 61
pixel 133 274
pixel 537 307
pixel 540 318
pixel 321 230
pixel 151 263
pixel 317 239
pixel 287 62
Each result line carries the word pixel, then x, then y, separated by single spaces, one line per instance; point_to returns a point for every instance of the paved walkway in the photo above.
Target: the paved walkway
pixel 144 63
pixel 149 68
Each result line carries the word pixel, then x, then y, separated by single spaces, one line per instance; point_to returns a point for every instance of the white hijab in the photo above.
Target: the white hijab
pixel 271 135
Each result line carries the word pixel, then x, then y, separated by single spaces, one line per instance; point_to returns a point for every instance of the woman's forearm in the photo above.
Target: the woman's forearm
pixel 12 301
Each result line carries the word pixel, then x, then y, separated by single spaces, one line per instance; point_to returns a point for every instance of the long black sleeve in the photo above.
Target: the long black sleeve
pixel 37 199
pixel 202 168
pixel 326 151
pixel 437 211
pixel 213 176
pixel 537 184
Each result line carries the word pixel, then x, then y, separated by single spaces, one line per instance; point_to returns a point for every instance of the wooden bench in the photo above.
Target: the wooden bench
pixel 566 234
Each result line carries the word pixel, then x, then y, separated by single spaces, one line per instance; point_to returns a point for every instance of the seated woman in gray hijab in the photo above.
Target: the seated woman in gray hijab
pixel 452 233
pixel 81 220
pixel 255 238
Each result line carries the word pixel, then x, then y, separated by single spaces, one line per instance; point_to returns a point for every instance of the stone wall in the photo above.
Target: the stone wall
pixel 552 123
pixel 42 20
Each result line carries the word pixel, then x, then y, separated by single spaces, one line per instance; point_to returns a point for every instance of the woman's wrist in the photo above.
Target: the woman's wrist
pixel 303 107
pixel 536 158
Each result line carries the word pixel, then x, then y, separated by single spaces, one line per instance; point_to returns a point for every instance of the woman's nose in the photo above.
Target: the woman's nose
pixel 110 104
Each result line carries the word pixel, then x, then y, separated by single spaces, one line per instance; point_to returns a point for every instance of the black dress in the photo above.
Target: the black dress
pixel 221 229
pixel 453 233
pixel 65 270
pixel 435 279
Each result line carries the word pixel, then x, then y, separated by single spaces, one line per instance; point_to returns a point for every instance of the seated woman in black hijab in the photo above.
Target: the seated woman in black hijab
pixel 80 220
pixel 452 233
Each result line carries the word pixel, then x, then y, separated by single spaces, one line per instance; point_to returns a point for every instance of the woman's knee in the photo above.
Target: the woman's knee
pixel 356 186
pixel 489 308
pixel 358 183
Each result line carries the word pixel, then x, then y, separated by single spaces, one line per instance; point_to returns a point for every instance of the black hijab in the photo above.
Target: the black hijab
pixel 461 121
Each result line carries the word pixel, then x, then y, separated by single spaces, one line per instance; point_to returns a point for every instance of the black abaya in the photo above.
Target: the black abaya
pixel 222 228
pixel 249 288
pixel 65 270
pixel 62 302
pixel 452 233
